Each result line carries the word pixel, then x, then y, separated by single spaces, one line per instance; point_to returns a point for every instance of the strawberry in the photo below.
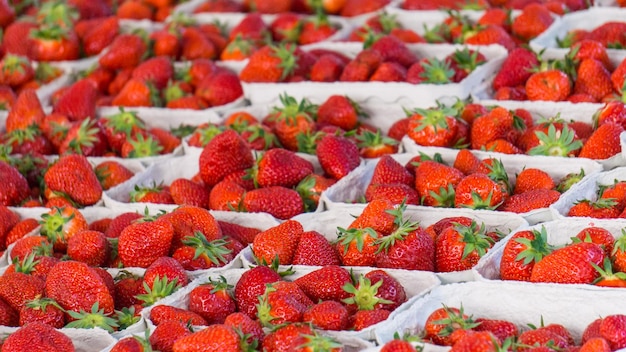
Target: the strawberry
pixel 362 66
pixel 219 89
pixel 111 173
pixel 612 328
pixel 84 137
pixel 184 191
pixel 280 167
pixel 137 92
pixel 542 336
pixel 158 194
pixel 393 49
pixel 522 252
pixel 212 301
pixel 269 6
pixel 441 324
pixel 223 155
pixel 250 27
pixel 292 119
pixel 339 110
pixel 53 43
pixel 78 102
pixel 529 200
pixel 435 183
pixel 89 247
pixel 165 335
pixel 491 34
pixel 534 19
pixel 398 345
pixel 388 170
pixel 100 36
pixel 14 34
pixel 595 344
pixel 314 249
pixel 365 318
pixel 162 313
pixel 287 337
pixel 125 51
pixel 154 238
pixel 601 208
pixel 271 64
pixel 311 188
pixel 570 264
pixel 357 246
pixel 250 286
pixel 19 230
pixel 327 315
pixel 593 78
pixel 280 202
pixel 26 111
pixel 73 176
pixel 134 10
pixel 279 241
pixel 15 189
pixel 337 155
pixel 608 34
pixel 603 143
pixel 325 283
pixel 501 329
pixel 551 85
pixel 48 339
pixel 516 68
pixel 531 179
pixel 226 195
pixel 327 68
pixel 460 247
pixel 407 247
pixel 158 70
pixel 433 127
pixel 396 193
pixel 75 287
pixel 43 310
pixel 15 70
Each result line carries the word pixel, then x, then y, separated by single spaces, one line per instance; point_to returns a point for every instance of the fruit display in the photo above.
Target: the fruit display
pixel 312 175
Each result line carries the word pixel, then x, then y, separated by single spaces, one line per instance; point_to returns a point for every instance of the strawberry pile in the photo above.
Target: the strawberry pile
pixel 124 77
pixel 559 7
pixel 345 8
pixel 585 74
pixel 299 125
pixel 18 73
pixel 528 256
pixel 609 202
pixel 608 34
pixel 61 32
pixel 328 298
pixel 451 326
pixel 498 129
pixel 381 236
pixel 468 183
pixel 387 59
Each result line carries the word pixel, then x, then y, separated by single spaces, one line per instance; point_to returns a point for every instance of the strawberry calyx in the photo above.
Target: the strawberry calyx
pixel 57 13
pixel 14 63
pixel 388 22
pixel 536 248
pixel 444 197
pixel 96 318
pixel 207 133
pixel 42 303
pixel 173 91
pixel 139 192
pixel 478 202
pixel 28 263
pixel 435 118
pixel 497 173
pixel 126 317
pixel 436 71
pixel 264 309
pixel 247 46
pixel 143 146
pixel 307 141
pixel 368 138
pixel 475 238
pixel 51 32
pixel 214 250
pixel 455 321
pixel 345 237
pixel 288 61
pixel 364 294
pixel 466 59
pixel 45 72
pixel 291 109
pixel 220 285
pixel 403 227
pixel 607 276
pixel 124 121
pixel 257 132
pixel 85 137
pixel 602 203
pixel 557 142
pixel 53 223
pixel 22 135
pixel 569 180
pixel 317 342
pixel 161 288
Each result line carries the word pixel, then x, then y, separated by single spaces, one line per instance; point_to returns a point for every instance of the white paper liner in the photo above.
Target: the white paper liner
pixel 353 186
pixel 521 304
pixel 587 19
pixel 415 283
pixel 327 222
pixel 560 232
pixel 586 189
pixel 386 92
pixel 84 340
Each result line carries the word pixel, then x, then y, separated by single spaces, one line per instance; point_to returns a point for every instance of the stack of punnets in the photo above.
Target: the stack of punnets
pixel 313 175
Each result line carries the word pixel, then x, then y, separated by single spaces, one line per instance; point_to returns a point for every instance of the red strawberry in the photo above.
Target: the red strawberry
pixel 534 19
pixel 223 155
pixel 603 143
pixel 325 283
pixel 78 102
pixel 314 249
pixel 48 339
pixel 337 155
pixel 26 111
pixel 280 202
pixel 279 241
pixel 530 200
pixel 126 51
pixel 14 190
pixel 452 251
pixel 140 244
pixel 158 70
pixel 73 176
pixel 516 68
pixel 281 167
pixel 393 49
pixel 251 285
pixel 570 264
pixel 339 110
pixel 220 89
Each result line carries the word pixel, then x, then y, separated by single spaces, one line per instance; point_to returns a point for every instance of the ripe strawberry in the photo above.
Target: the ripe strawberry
pixel 162 313
pixel 43 310
pixel 521 253
pixel 280 241
pixel 398 345
pixel 433 127
pixel 15 189
pixel 90 247
pixel 595 344
pixel 491 34
pixel 219 89
pixel 26 111
pixel 14 34
pixel 531 179
pixel 337 155
pixel 394 50
pixel 570 264
pixel 327 315
pixel 408 247
pixel 327 68
pixel 362 66
pixel 53 43
pixel 15 70
pixel 212 301
pixel 126 51
pixel 603 143
pixel 534 19
pixel 460 247
pixel 48 339
pixel 280 167
pixel 223 155
pixel 154 238
pixel 608 34
pixel 551 85
pixel 287 337
pixel 280 202
pixel 158 194
pixel 501 329
pixel 478 191
pixel 158 70
pixel 165 335
pixel 441 324
pixel 271 64
pixel 75 287
pixel 78 102
pixel 314 249
pixel 111 173
pixel 248 326
pixel 542 336
pixel 529 200
pixel 226 195
pixel 613 329
pixel 516 68
pixel 100 36
pixel 340 111
pixel 602 209
pixel 593 78
pixel 250 286
pixel 73 176
pixel 365 318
